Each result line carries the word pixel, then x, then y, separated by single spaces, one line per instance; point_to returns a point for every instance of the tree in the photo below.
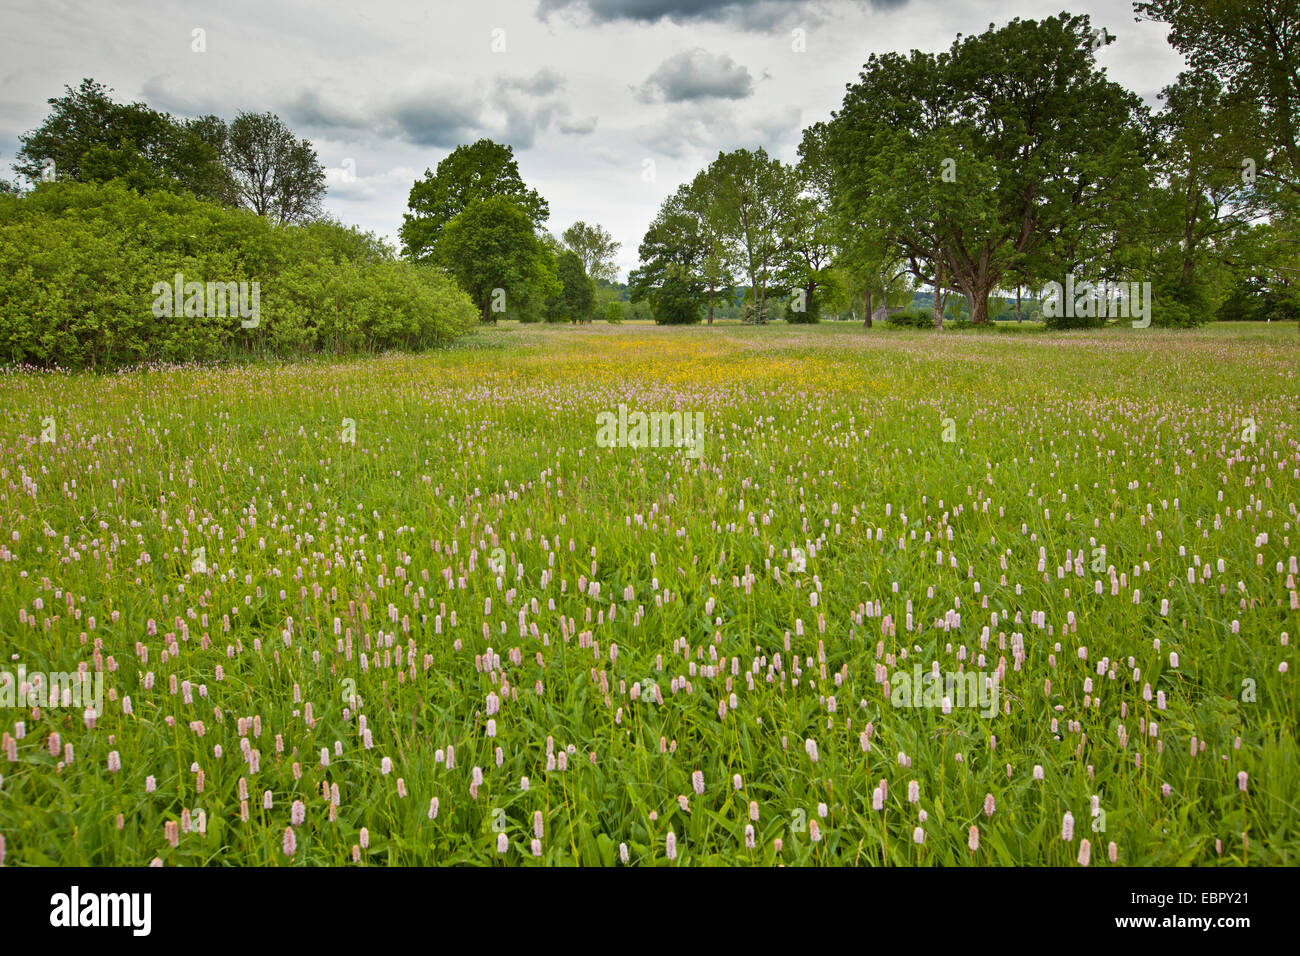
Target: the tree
pixel 595 248
pixel 479 171
pixel 1205 199
pixel 880 275
pixel 969 160
pixel 755 195
pixel 1264 264
pixel 673 254
pixel 1253 47
pixel 275 174
pixel 577 298
pixel 807 247
pixel 863 263
pixel 494 253
pixel 678 299
pixel 89 138
pixel 701 198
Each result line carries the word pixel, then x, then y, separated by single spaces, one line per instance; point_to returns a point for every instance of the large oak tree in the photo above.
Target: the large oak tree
pixel 1012 143
pixel 481 170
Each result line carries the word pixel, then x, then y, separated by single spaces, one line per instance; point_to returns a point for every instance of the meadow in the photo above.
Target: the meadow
pixel 406 610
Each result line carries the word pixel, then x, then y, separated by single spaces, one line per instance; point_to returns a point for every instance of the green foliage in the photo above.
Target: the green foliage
pixel 674 242
pixel 596 249
pixel 678 299
pixel 936 155
pixel 755 198
pixel 275 174
pixel 1061 322
pixel 78 263
pixel 1253 48
pixel 577 298
pixel 1252 300
pixel 810 314
pixel 495 255
pixel 89 138
pixel 1172 314
pixel 638 311
pixel 910 319
pixel 613 312
pixel 479 171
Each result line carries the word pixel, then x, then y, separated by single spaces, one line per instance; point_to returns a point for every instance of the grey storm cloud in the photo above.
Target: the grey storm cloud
pixel 745 14
pixel 159 94
pixel 517 107
pixel 441 113
pixel 531 104
pixel 311 109
pixel 434 120
pixel 697 75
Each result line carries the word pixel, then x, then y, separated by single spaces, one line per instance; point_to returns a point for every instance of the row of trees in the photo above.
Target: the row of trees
pixel 1007 162
pixel 254 161
pixel 1004 163
pixel 476 218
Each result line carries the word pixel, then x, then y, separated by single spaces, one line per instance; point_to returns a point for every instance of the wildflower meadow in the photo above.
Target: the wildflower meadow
pixel 857 597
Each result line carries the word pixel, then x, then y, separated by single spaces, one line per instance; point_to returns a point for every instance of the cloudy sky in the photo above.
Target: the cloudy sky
pixel 609 104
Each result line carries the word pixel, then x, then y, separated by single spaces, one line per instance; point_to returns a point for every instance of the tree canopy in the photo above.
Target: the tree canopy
pixel 481 170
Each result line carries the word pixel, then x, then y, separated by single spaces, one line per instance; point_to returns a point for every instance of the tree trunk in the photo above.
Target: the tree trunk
pixel 866 309
pixel 1018 316
pixel 938 295
pixel 710 303
pixel 978 297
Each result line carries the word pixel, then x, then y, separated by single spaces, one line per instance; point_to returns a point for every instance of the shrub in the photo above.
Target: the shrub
pixel 1059 322
pixel 677 301
pixel 910 319
pixel 79 262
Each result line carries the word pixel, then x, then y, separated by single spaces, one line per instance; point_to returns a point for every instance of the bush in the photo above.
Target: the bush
pixel 910 319
pixel 810 314
pixel 1060 322
pixel 79 262
pixel 677 301
pixel 1170 313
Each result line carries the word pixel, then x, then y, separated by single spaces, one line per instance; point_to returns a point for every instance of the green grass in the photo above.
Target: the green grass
pixel 828 438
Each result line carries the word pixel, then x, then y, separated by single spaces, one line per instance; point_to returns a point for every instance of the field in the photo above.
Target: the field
pixel 409 610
